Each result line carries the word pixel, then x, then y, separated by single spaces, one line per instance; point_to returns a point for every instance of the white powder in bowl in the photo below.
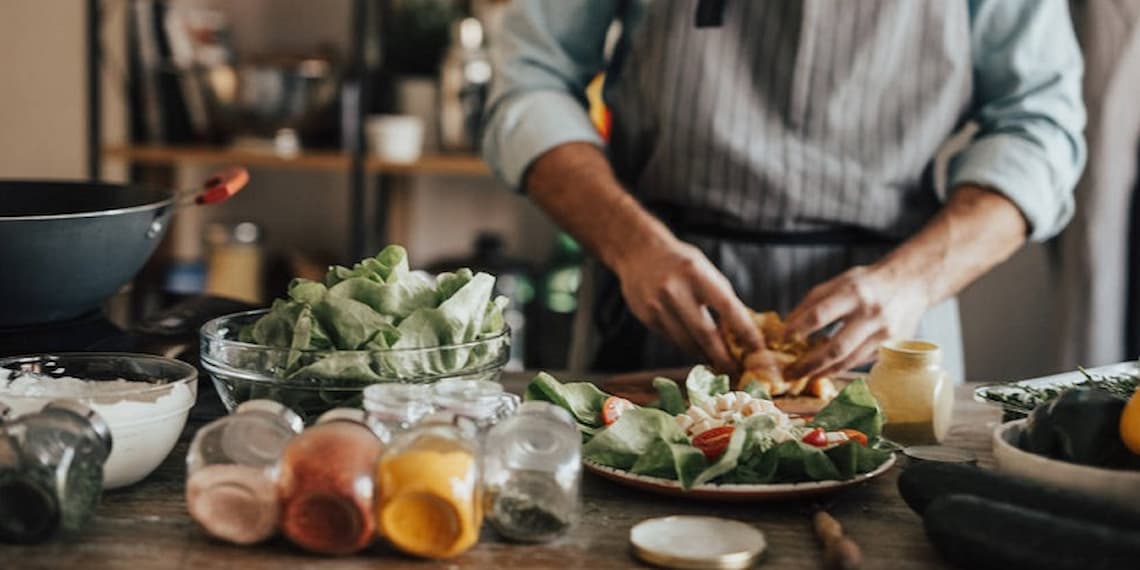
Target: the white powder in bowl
pixel 145 418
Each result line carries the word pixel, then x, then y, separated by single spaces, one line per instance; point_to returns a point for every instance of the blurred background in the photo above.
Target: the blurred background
pixel 359 119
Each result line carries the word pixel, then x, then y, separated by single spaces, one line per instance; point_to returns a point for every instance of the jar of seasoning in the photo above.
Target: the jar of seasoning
pixel 479 404
pixel 914 392
pixel 532 473
pixel 325 484
pixel 51 471
pixel 393 408
pixel 231 470
pixel 428 482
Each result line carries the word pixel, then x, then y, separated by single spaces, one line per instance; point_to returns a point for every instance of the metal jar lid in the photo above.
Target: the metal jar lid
pixel 97 423
pixel 354 415
pixel 697 542
pixel 277 409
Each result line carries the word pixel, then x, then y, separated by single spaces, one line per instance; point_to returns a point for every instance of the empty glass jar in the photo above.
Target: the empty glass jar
pixel 393 408
pixel 231 471
pixel 532 473
pixel 51 471
pixel 479 404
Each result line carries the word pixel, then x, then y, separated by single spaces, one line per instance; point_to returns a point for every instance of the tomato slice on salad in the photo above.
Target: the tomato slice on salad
pixel 613 408
pixel 713 442
pixel 855 435
pixel 816 437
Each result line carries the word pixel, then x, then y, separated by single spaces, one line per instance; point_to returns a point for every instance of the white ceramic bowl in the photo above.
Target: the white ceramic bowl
pixel 145 420
pixel 1118 485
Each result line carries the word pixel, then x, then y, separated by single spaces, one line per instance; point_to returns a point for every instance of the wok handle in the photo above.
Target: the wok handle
pixel 219 187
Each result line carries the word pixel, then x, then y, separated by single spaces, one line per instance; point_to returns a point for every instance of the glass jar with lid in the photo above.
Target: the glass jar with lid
pixel 231 470
pixel 532 473
pixel 429 492
pixel 914 392
pixel 477 404
pixel 51 471
pixel 325 484
pixel 393 407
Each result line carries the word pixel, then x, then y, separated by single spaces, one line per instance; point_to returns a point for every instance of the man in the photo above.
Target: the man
pixel 777 154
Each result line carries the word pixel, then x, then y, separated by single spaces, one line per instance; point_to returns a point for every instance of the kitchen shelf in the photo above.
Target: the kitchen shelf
pixel 319 160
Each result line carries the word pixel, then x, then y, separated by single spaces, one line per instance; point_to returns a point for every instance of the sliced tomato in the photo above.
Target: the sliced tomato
pixel 855 435
pixel 816 437
pixel 613 408
pixel 713 442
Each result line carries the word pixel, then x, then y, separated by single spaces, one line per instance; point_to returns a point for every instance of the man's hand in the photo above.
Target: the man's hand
pixel 669 285
pixel 974 231
pixel 672 287
pixel 873 304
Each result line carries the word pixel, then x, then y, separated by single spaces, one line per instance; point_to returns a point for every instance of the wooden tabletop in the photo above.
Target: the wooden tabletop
pixel 146 526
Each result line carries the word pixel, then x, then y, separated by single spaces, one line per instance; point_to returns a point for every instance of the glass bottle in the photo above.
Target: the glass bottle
pixel 428 482
pixel 914 392
pixel 325 484
pixel 231 471
pixel 51 471
pixel 479 403
pixel 393 408
pixel 532 473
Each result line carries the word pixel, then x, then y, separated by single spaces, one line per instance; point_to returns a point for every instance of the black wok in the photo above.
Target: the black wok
pixel 65 247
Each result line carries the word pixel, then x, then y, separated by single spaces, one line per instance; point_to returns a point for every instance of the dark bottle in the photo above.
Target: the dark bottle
pixel 51 471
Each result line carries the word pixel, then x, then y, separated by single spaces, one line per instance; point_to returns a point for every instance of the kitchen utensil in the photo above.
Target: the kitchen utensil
pixel 733 492
pixel 66 246
pixel 261 97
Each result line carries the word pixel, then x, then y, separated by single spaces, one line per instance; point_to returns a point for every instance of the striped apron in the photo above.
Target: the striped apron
pixel 789 140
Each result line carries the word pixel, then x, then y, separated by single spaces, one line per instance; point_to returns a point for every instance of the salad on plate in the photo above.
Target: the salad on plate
pixel 720 436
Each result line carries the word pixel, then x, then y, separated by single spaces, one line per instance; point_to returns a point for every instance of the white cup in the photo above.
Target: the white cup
pixel 395 138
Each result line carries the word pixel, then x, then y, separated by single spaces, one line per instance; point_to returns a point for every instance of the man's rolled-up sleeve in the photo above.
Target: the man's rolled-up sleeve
pixel 1027 102
pixel 544 57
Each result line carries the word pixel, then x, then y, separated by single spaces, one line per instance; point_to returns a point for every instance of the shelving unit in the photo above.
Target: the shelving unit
pixel 353 160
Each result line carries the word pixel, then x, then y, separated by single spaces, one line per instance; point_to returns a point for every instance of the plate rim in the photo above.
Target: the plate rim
pixel 733 490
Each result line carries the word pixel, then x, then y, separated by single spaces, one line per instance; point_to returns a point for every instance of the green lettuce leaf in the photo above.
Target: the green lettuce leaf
pixel 394 300
pixel 854 408
pixel 390 265
pixel 622 443
pixel 757 389
pixel 702 385
pixel 354 366
pixel 351 324
pixel 852 458
pixel 679 461
pixel 746 434
pixel 669 396
pixel 306 291
pixel 582 399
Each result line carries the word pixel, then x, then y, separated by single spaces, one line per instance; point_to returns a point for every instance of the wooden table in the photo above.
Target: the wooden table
pixel 146 526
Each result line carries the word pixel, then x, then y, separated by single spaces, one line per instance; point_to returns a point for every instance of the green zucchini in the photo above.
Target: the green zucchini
pixel 921 484
pixel 972 532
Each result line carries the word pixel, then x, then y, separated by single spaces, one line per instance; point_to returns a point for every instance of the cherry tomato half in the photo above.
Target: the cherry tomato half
pixel 613 408
pixel 713 442
pixel 816 437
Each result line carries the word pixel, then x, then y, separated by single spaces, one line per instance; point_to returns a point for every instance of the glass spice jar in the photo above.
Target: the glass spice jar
pixel 231 471
pixel 479 403
pixel 429 493
pixel 394 408
pixel 325 484
pixel 532 474
pixel 51 471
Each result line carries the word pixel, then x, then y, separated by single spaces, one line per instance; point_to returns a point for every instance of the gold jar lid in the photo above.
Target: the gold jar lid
pixel 697 542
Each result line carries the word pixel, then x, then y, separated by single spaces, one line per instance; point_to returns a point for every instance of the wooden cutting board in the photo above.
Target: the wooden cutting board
pixel 637 387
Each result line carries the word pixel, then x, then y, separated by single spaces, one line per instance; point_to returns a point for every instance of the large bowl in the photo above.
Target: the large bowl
pixel 243 371
pixel 1115 484
pixel 145 420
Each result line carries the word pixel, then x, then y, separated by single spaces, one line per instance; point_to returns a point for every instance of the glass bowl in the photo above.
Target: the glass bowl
pixel 145 419
pixel 311 382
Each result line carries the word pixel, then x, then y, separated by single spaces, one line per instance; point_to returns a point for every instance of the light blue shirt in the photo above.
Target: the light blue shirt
pixel 1019 80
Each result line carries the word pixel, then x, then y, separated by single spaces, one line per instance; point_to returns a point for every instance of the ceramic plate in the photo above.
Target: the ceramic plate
pixel 737 493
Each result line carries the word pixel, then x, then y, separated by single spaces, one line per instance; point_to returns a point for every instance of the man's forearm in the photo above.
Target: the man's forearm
pixel 575 185
pixel 976 230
